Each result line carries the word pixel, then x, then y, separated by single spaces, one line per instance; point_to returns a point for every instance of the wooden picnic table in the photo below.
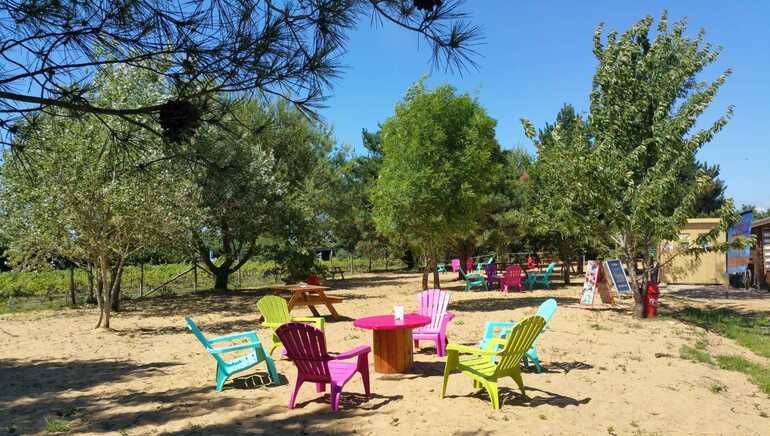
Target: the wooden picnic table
pixel 303 294
pixel 337 270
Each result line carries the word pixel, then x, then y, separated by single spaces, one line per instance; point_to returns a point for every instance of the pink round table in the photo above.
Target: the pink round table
pixel 392 340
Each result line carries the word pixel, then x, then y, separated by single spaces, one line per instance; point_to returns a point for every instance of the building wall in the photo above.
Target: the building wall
pixel 760 253
pixel 708 268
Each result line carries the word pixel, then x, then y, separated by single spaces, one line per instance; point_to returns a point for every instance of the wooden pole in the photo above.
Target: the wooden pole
pixel 350 257
pixel 195 277
pixel 141 279
pixel 239 278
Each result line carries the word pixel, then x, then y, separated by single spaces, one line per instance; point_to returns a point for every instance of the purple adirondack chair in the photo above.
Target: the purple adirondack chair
pixel 306 347
pixel 511 279
pixel 455 265
pixel 433 303
pixel 492 279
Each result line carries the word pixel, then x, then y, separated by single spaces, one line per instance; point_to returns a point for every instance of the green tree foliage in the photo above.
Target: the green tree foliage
pixel 254 186
pixel 712 198
pixel 645 101
pixel 440 162
pixel 76 194
pixel 560 178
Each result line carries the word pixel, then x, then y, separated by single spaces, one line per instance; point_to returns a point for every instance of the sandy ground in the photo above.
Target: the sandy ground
pixel 606 372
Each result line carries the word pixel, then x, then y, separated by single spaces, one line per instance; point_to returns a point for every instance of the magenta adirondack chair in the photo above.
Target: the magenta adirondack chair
pixel 306 347
pixel 492 278
pixel 511 279
pixel 455 265
pixel 433 303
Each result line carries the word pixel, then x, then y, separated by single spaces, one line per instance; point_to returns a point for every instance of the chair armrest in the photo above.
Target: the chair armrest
pixel 489 330
pixel 470 350
pixel 234 347
pixel 250 334
pixel 361 349
pixel 317 320
pixel 272 325
pixel 492 343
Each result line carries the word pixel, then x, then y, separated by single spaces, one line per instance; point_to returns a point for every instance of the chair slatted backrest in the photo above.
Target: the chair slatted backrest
pixel 549 270
pixel 547 309
pixel 196 331
pixel 433 303
pixel 491 270
pixel 514 274
pixel 274 309
pixel 455 265
pixel 519 341
pixel 306 346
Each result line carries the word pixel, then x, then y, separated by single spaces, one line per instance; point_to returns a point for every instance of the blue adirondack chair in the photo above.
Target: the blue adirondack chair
pixel 543 278
pixel 503 329
pixel 473 280
pixel 226 368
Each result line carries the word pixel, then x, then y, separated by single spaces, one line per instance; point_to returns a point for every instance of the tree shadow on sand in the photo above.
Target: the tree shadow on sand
pixel 512 397
pixel 505 303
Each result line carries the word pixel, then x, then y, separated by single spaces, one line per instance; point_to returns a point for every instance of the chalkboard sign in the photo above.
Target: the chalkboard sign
pixel 619 279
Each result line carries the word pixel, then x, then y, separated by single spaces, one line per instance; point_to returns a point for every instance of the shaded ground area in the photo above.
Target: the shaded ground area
pixel 605 373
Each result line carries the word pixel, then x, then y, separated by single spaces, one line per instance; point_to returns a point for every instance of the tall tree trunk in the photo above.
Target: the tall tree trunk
pixel 72 287
pixel 91 297
pixel 220 279
pixel 436 280
pixel 463 256
pixel 565 270
pixel 425 273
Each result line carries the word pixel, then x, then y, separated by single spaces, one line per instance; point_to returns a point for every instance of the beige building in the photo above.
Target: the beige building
pixel 707 268
pixel 760 252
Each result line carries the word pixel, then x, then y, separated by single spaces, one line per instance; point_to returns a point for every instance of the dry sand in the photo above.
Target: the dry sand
pixel 151 376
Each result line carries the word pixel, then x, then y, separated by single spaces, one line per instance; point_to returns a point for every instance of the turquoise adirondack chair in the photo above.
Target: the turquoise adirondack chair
pixel 481 266
pixel 505 362
pixel 226 368
pixel 497 329
pixel 543 278
pixel 473 280
pixel 441 267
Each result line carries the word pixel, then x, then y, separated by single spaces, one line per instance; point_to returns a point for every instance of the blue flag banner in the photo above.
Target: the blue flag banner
pixel 738 260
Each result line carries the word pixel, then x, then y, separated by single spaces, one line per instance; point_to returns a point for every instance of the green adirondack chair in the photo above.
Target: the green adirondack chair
pixel 481 266
pixel 485 373
pixel 226 368
pixel 473 280
pixel 276 313
pixel 543 278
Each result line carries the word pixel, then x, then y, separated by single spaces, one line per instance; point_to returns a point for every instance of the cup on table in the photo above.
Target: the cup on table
pixel 398 313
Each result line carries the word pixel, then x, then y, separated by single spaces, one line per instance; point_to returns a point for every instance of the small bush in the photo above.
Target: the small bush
pixel 53 425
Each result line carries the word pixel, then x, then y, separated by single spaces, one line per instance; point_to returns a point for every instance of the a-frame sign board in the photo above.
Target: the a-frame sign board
pixel 596 282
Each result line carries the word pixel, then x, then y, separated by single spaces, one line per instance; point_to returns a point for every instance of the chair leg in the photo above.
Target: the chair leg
pixel 221 377
pixel 491 388
pixel 320 387
pixel 335 400
pixel 294 392
pixel 271 369
pixel 516 375
pixel 451 362
pixel 416 344
pixel 363 368
pixel 532 354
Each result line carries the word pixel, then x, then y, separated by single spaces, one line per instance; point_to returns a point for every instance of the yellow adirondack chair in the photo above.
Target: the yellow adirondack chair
pixel 276 313
pixel 483 371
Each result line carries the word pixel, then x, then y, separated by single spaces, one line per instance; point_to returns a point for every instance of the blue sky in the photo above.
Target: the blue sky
pixel 537 56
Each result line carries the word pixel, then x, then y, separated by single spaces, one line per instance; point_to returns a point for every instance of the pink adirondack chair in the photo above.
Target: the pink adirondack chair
pixel 433 303
pixel 511 279
pixel 492 278
pixel 455 265
pixel 306 347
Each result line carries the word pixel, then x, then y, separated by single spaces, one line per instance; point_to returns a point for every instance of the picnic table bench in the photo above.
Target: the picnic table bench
pixel 334 270
pixel 309 295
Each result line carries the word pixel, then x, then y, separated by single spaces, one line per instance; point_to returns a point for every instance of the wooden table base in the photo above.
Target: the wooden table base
pixel 393 351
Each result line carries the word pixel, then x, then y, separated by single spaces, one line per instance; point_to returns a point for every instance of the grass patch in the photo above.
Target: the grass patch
pixel 758 374
pixel 53 425
pixel 696 355
pixel 752 332
pixel 717 388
